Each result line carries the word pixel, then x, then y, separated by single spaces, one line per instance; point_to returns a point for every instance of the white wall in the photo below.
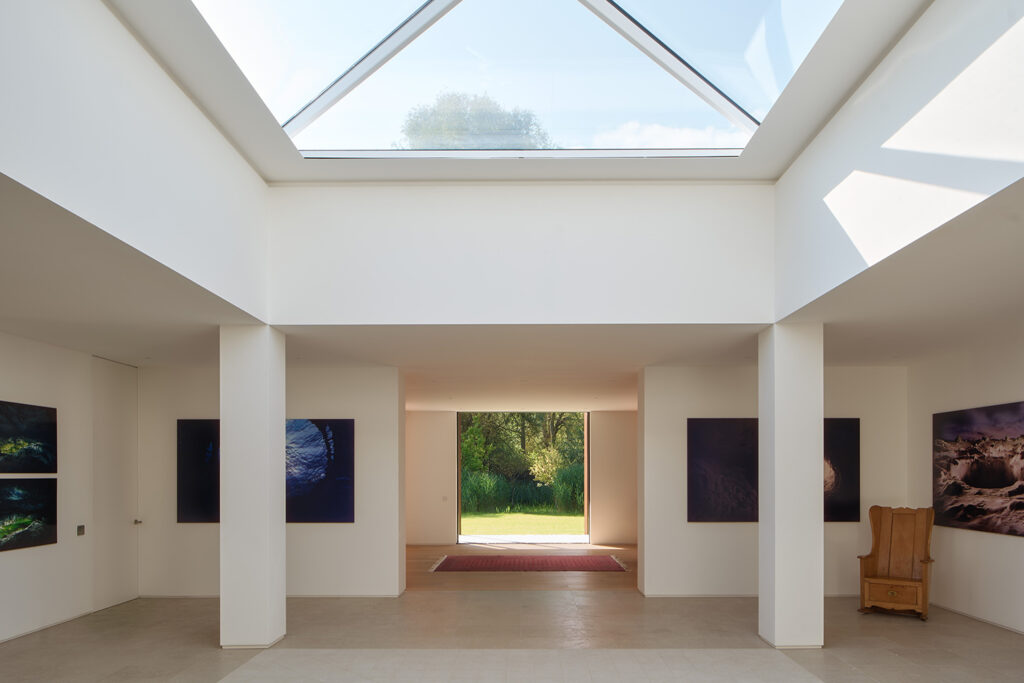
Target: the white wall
pixel 367 556
pixel 183 559
pixel 115 464
pixel 94 124
pixel 613 471
pixel 174 559
pixel 975 572
pixel 48 584
pixel 878 396
pixel 431 477
pixel 931 132
pixel 682 558
pixel 721 559
pixel 488 253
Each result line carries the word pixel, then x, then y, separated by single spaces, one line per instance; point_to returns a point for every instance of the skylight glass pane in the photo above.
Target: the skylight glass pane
pixel 749 49
pixel 291 50
pixel 520 74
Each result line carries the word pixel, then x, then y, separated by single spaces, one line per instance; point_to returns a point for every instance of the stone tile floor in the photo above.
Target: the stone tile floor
pixel 511 635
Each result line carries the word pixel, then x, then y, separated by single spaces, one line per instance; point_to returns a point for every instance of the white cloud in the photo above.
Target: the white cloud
pixel 634 135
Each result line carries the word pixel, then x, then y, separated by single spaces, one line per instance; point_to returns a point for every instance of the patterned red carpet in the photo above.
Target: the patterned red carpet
pixel 529 563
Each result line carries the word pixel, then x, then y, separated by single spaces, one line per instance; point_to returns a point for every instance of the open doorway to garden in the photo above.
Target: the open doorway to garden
pixel 523 477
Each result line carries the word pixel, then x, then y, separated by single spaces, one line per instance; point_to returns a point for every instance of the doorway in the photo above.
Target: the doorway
pixel 523 477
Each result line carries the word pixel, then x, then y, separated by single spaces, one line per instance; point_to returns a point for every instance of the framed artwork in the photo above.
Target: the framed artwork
pixel 28 513
pixel 28 439
pixel 978 468
pixel 721 466
pixel 842 469
pixel 320 470
pixel 198 471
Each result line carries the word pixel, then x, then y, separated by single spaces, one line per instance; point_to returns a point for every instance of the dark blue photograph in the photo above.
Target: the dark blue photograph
pixel 721 470
pixel 28 439
pixel 28 513
pixel 198 471
pixel 320 465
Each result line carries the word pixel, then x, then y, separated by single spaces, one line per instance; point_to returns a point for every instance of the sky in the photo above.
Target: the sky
pixel 587 85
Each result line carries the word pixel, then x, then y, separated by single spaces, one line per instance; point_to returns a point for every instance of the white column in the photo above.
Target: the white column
pixel 791 525
pixel 252 486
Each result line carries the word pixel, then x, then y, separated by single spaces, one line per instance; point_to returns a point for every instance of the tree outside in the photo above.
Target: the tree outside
pixel 461 121
pixel 520 471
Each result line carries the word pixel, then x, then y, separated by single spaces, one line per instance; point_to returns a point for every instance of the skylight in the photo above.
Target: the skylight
pixel 347 78
pixel 749 49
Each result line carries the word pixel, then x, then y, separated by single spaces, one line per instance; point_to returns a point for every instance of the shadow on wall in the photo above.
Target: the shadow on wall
pixel 933 132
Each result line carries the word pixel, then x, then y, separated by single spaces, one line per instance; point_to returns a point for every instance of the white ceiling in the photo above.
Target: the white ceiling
pixel 68 283
pixel 959 285
pixel 861 33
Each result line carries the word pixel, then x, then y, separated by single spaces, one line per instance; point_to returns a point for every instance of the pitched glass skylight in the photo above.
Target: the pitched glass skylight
pixel 749 49
pixel 550 63
pixel 290 50
pixel 551 77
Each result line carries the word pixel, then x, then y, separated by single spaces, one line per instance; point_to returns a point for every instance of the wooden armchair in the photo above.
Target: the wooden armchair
pixel 895 575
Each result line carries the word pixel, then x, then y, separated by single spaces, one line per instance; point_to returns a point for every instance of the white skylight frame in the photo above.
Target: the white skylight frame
pixel 607 10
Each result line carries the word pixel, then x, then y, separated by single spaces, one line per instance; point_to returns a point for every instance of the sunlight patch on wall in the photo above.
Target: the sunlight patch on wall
pixel 882 214
pixel 978 114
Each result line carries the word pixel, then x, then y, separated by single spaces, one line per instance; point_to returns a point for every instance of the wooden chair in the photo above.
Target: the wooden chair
pixel 895 575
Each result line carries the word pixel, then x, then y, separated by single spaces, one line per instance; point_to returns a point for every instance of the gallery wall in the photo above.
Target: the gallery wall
pixel 931 132
pixel 367 556
pixel 431 477
pixel 613 497
pixel 681 558
pixel 47 584
pixel 975 572
pixel 361 558
pixel 101 129
pixel 500 252
pixel 174 559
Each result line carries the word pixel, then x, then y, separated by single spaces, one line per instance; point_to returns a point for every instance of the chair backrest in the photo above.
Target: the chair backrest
pixel 900 539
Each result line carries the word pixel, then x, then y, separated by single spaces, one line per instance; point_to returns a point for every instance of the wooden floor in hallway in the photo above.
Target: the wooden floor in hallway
pixel 421 558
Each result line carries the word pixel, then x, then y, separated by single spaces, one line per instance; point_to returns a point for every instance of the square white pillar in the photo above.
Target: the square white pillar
pixel 252 486
pixel 791 529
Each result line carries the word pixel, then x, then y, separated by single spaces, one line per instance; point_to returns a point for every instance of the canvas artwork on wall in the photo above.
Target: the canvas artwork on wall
pixel 842 469
pixel 722 472
pixel 198 471
pixel 978 468
pixel 721 481
pixel 28 439
pixel 28 513
pixel 320 467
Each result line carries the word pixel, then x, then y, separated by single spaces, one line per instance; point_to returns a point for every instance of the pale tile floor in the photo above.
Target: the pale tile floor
pixel 511 635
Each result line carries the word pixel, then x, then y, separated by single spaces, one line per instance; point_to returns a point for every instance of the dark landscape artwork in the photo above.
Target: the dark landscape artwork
pixel 721 469
pixel 198 471
pixel 28 513
pixel 842 469
pixel 320 465
pixel 978 468
pixel 28 439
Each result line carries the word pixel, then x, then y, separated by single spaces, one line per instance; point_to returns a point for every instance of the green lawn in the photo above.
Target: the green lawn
pixel 505 523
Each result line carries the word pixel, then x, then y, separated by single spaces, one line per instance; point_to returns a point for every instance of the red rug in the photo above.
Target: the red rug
pixel 529 563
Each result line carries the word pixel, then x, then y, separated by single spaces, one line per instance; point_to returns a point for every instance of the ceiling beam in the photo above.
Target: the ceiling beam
pixel 633 31
pixel 420 21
